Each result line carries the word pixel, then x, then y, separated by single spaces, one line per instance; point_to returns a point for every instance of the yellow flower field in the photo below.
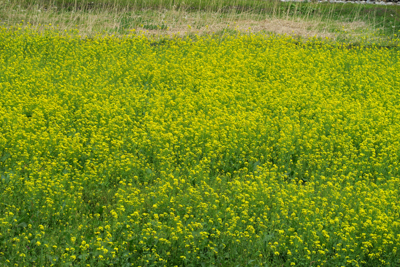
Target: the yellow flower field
pixel 238 150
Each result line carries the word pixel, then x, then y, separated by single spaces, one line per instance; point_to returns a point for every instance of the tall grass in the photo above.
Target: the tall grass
pixel 209 5
pixel 346 22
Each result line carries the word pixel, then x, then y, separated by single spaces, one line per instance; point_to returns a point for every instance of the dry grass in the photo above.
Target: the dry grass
pixel 162 22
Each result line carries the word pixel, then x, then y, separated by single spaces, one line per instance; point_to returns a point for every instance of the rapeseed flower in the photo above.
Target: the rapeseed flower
pixel 125 150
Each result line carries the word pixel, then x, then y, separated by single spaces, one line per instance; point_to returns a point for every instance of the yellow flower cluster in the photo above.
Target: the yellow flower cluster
pixel 233 150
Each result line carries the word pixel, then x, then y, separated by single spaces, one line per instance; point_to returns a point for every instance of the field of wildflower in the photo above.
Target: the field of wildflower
pixel 230 150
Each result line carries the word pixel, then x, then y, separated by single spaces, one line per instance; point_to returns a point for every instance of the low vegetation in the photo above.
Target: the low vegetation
pixel 234 148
